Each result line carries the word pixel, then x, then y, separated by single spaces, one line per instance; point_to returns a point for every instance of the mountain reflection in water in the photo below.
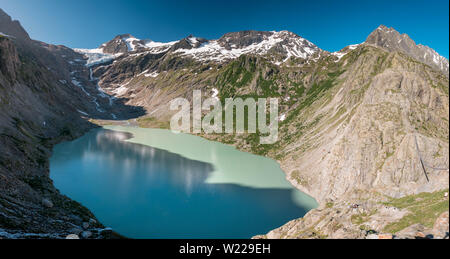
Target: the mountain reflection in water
pixel 144 192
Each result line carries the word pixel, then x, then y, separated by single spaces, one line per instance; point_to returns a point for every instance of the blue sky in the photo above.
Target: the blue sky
pixel 330 24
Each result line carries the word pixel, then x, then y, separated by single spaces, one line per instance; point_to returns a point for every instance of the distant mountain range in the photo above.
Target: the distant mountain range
pixel 284 45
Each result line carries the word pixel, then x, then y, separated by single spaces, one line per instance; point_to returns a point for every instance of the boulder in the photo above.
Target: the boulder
pixel 411 231
pixel 86 234
pixel 385 236
pixel 106 233
pixel 72 236
pixel 85 225
pixel 47 203
pixel 76 231
pixel 441 226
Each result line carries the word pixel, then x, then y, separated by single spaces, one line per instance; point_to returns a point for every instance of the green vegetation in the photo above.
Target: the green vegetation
pixel 380 63
pixel 235 75
pixel 437 154
pixel 314 93
pixel 151 122
pixel 298 177
pixel 359 219
pixel 268 87
pixel 423 209
pixel 22 128
pixel 256 148
pixel 443 87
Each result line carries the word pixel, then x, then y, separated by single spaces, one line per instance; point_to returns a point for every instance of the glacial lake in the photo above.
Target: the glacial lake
pixel 152 183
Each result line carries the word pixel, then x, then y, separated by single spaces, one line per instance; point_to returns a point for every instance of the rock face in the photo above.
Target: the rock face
pixel 47 203
pixel 376 144
pixel 122 44
pixel 11 27
pixel 283 42
pixel 243 39
pixel 390 39
pixel 441 227
pixel 188 43
pixel 45 93
pixel 9 59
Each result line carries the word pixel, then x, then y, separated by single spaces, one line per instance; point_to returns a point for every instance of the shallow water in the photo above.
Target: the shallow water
pixel 150 183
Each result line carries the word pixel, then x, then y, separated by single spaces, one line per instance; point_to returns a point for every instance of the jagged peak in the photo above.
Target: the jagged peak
pixel 11 27
pixel 125 36
pixel 122 43
pixel 195 41
pixel 391 40
pixel 383 27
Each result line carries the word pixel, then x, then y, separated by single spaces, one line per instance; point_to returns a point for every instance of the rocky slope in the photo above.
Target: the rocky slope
pixel 45 96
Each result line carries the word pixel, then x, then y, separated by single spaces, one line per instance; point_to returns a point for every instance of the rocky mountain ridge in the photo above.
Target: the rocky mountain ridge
pixel 392 40
pixel 12 27
pixel 46 93
pixel 283 44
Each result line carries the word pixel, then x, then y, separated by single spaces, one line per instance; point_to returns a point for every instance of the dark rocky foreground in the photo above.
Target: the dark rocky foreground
pixel 38 109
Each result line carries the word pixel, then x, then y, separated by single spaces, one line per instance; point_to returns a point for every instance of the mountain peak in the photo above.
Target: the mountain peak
pixel 234 44
pixel 384 28
pixel 123 43
pixel 392 40
pixel 125 36
pixel 11 27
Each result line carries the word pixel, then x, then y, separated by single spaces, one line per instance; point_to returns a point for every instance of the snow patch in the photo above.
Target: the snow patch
pixel 215 93
pixel 153 74
pixel 5 35
pixel 78 84
pixel 292 46
pixel 96 56
pixel 121 90
pixel 158 47
pixel 354 46
pixel 130 43
pixel 341 54
pixel 82 112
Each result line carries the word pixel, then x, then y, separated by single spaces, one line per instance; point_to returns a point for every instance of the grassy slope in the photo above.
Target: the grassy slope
pixel 423 209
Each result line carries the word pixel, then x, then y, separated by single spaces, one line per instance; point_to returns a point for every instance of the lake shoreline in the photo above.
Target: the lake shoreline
pixel 135 123
pixel 188 138
pixel 156 125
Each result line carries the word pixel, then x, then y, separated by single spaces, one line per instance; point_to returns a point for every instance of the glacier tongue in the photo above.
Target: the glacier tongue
pixel 96 56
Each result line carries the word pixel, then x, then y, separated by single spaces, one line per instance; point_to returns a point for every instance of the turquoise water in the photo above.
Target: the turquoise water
pixel 150 183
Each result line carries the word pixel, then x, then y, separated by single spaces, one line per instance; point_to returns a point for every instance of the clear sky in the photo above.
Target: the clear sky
pixel 330 24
